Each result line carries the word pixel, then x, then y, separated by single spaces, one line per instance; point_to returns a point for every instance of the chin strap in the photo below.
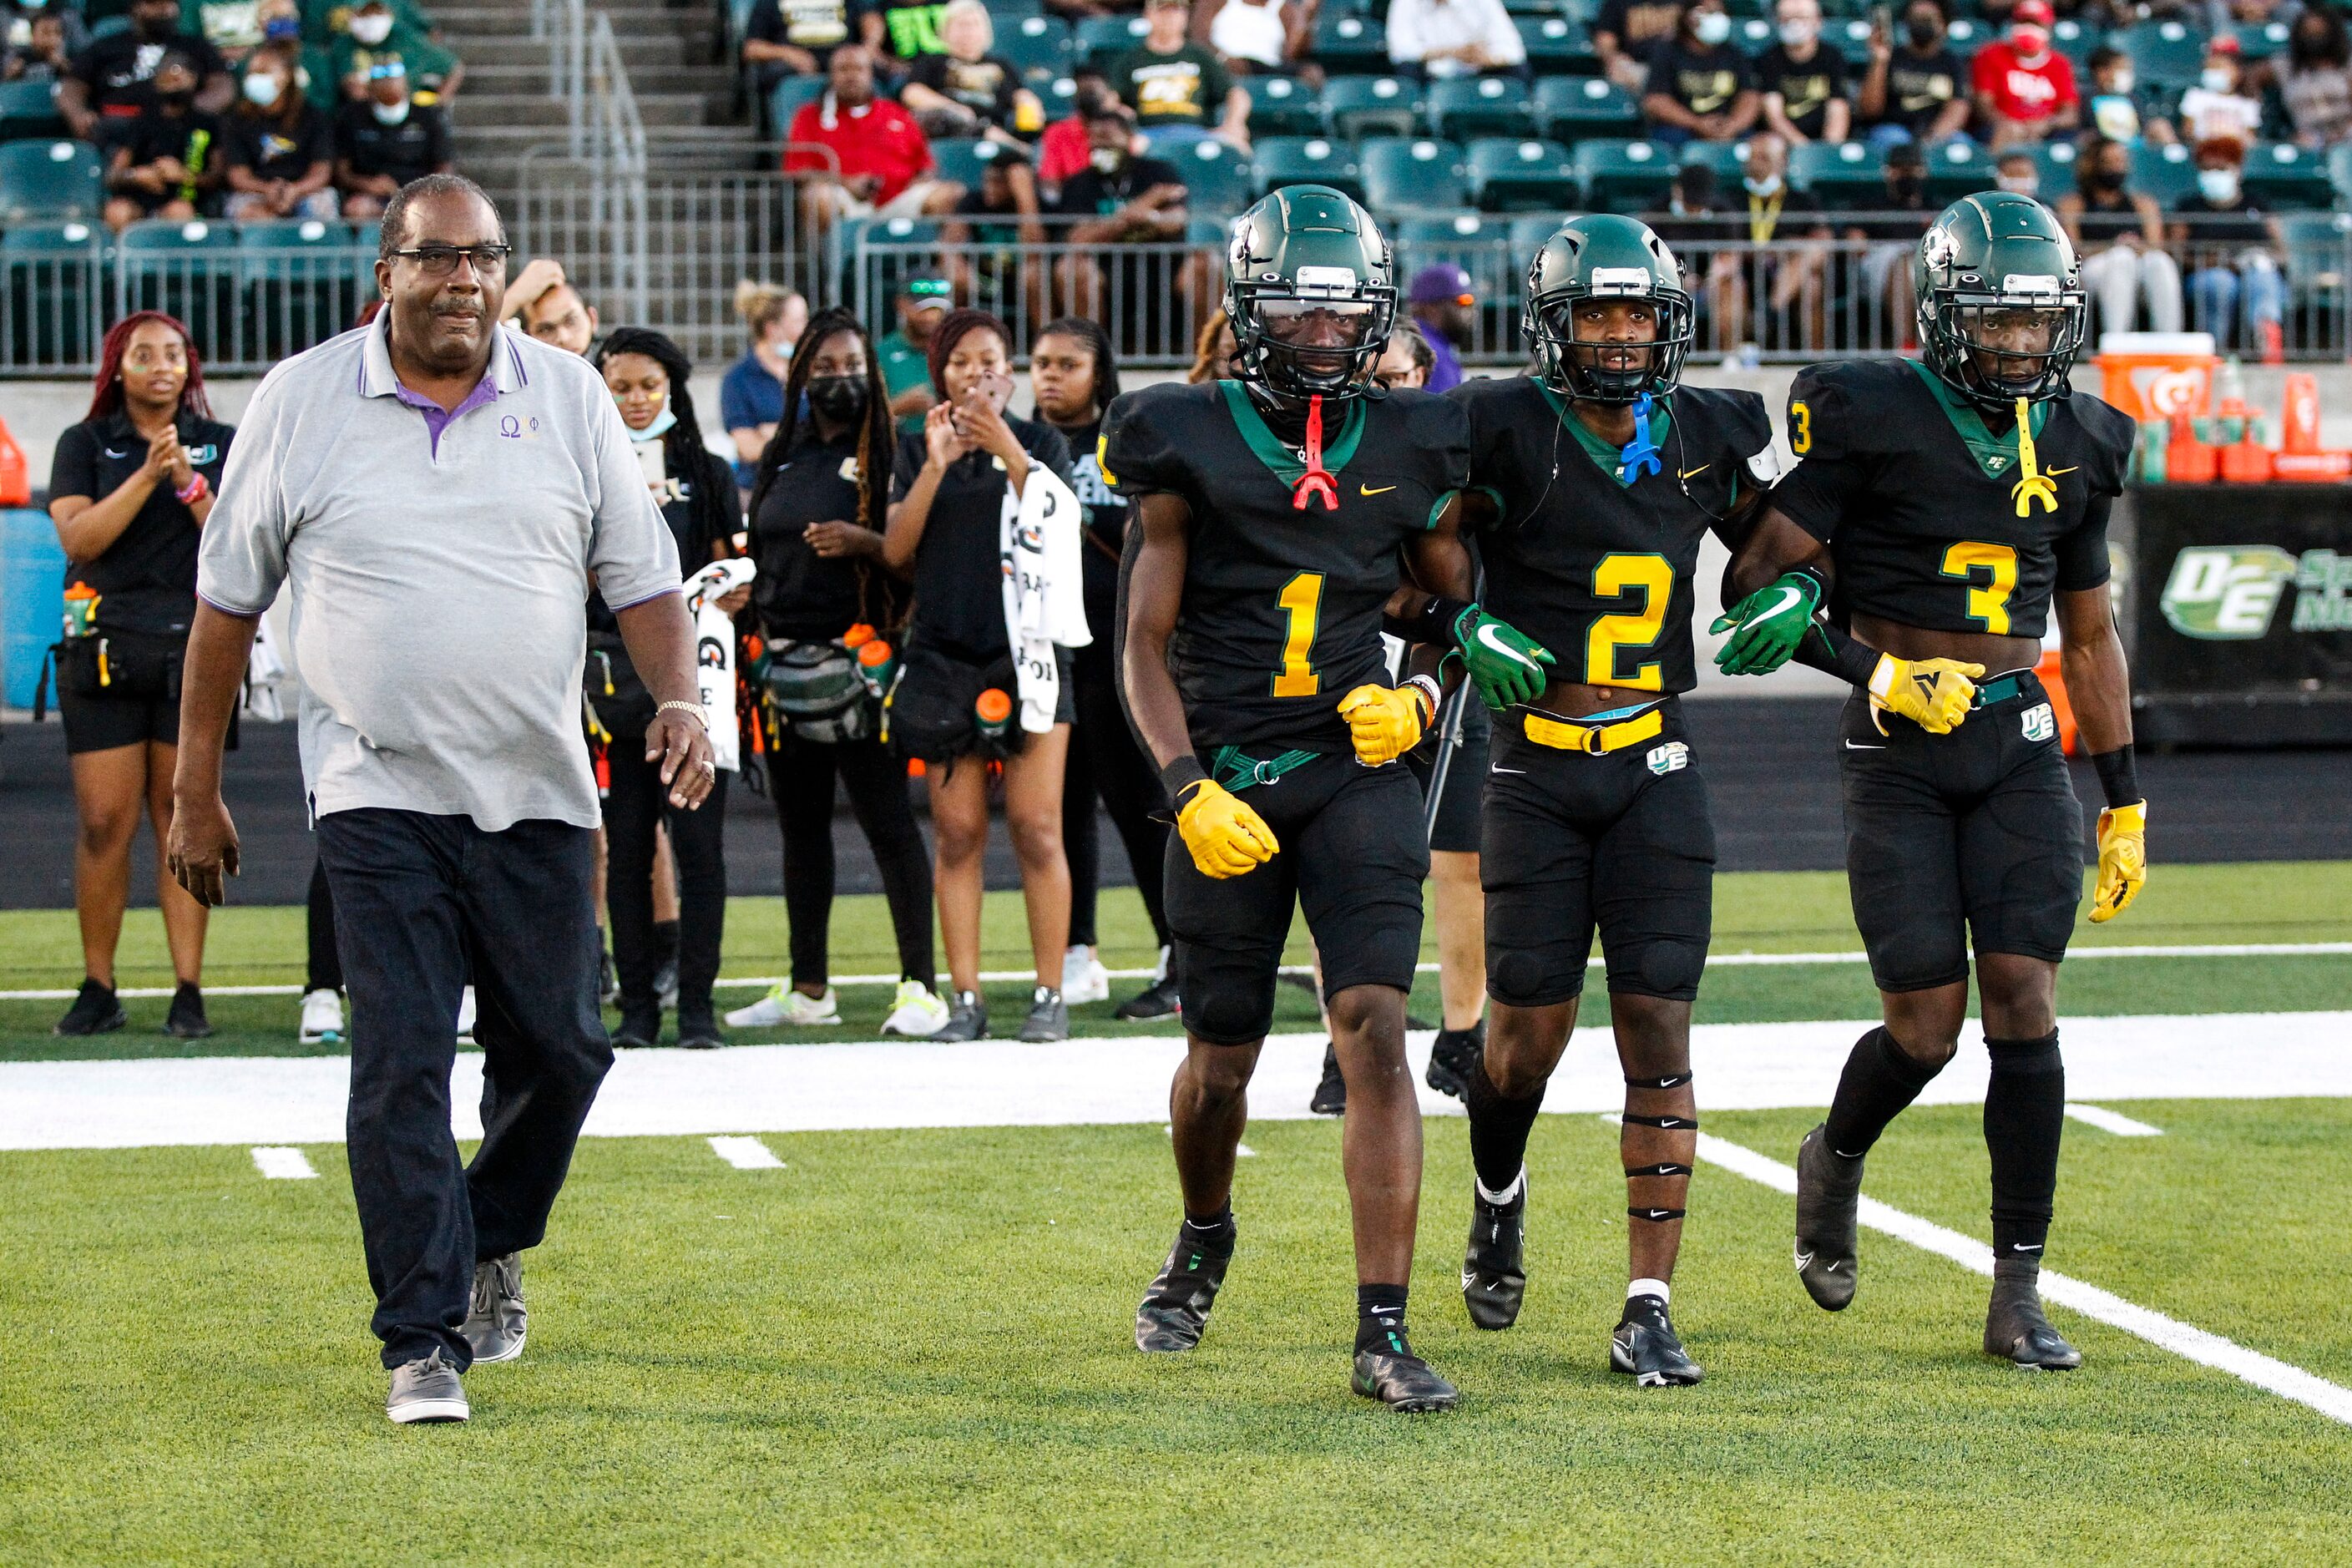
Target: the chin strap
pixel 2033 485
pixel 1639 455
pixel 1317 480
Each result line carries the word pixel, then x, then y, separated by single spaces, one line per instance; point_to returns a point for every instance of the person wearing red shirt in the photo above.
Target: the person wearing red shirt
pixel 2024 88
pixel 884 167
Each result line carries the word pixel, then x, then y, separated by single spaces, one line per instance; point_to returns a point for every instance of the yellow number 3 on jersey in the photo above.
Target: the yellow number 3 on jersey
pixel 1800 428
pixel 1987 602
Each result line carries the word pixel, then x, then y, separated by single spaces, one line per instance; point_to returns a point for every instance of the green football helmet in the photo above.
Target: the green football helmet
pixel 2002 309
pixel 1310 293
pixel 1605 256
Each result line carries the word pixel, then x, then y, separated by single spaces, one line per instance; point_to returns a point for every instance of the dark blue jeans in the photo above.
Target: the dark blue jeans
pixel 420 902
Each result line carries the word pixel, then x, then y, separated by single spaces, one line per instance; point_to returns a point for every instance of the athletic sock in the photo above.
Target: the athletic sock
pixel 1658 1289
pixel 1211 1233
pixel 2024 1114
pixel 1498 1128
pixel 1379 1318
pixel 1879 1080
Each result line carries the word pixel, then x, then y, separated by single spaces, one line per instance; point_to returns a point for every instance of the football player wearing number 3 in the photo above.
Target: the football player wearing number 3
pixel 1592 483
pixel 1951 502
pixel 1269 518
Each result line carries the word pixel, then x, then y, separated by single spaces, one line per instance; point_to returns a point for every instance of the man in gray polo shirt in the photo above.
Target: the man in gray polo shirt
pixel 439 493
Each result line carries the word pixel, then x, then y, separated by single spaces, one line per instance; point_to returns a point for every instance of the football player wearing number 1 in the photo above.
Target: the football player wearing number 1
pixel 1952 502
pixel 1592 483
pixel 1268 515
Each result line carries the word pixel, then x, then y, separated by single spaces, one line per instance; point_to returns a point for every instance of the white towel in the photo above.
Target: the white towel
pixel 1045 603
pixel 714 654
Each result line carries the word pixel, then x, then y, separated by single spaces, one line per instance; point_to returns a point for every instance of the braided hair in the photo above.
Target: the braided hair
pixel 877 603
pixel 1097 342
pixel 715 516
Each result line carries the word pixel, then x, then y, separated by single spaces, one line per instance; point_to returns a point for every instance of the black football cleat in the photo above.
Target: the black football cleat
pixel 1402 1381
pixel 186 1020
pixel 1175 1309
pixel 1332 1094
pixel 1829 1192
pixel 1157 1000
pixel 1646 1347
pixel 1452 1056
pixel 2016 1330
pixel 96 1010
pixel 1494 1268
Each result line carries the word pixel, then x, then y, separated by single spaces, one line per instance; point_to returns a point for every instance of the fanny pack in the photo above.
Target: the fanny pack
pixel 931 708
pixel 616 697
pixel 109 662
pixel 815 689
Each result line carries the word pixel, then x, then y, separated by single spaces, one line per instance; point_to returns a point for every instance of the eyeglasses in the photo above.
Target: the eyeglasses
pixel 441 261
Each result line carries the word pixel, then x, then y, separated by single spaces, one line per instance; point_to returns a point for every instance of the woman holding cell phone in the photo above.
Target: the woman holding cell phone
pixel 953 705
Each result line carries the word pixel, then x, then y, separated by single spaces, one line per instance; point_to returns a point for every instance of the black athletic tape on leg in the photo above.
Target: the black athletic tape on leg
pixel 1671 1123
pixel 1658 1216
pixel 1671 1080
pixel 1664 1168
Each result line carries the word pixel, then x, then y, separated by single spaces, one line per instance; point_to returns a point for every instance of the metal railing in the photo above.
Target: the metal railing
pixel 586 73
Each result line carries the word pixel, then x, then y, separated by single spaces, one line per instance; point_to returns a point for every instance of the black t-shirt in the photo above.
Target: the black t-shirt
pixel 117 69
pixel 1090 193
pixel 1742 218
pixel 1597 569
pixel 264 145
pixel 801 595
pixel 984 86
pixel 408 151
pixel 819 27
pixel 146 579
pixel 1807 88
pixel 1919 86
pixel 1105 515
pixel 686 506
pixel 959 566
pixel 1926 508
pixel 2240 223
pixel 1281 609
pixel 1186 86
pixel 1704 81
pixel 1638 24
pixel 194 138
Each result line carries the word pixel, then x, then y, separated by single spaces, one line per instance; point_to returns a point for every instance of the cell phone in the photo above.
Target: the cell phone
pixel 995 390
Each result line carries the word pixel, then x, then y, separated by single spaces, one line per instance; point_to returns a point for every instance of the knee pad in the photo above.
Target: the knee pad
pixel 1519 978
pixel 1222 1006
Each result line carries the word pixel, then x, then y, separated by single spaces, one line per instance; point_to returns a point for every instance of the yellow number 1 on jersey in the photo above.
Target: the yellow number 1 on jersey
pixel 1988 601
pixel 1302 601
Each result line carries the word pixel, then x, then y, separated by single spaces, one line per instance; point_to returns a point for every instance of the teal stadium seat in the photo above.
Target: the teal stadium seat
pixel 1625 177
pixel 1529 234
pixel 1523 175
pixel 1412 174
pixel 1572 108
pixel 56 278
pixel 1470 107
pixel 1754 36
pixel 1306 160
pixel 1349 46
pixel 28 111
pixel 2339 173
pixel 2259 40
pixel 2077 42
pixel 2166 173
pixel 2318 258
pixel 1359 106
pixel 2169 53
pixel 1014 12
pixel 1557 45
pixel 50 180
pixel 2284 178
pixel 1728 159
pixel 1842 173
pixel 303 281
pixel 1284 106
pixel 190 269
pixel 785 98
pixel 2053 163
pixel 1038 46
pixel 1955 169
pixel 1481 244
pixel 882 254
pixel 1102 39
pixel 1217 177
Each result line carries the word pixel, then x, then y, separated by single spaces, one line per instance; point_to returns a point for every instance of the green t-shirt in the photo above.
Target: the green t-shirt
pixel 1185 87
pixel 911 27
pixel 428 63
pixel 903 366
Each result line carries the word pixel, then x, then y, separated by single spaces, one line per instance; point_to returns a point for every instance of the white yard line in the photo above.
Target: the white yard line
pixel 284 1165
pixel 746 1153
pixel 2192 1343
pixel 2109 1122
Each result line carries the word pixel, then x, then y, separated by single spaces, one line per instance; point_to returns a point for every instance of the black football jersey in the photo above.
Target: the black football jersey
pixel 1596 569
pixel 1932 519
pixel 1281 615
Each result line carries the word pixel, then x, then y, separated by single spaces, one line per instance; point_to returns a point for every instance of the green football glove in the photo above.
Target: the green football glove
pixel 1767 625
pixel 1505 664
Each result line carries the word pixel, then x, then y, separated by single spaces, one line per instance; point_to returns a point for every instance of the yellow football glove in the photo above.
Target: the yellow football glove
pixel 2123 860
pixel 1225 837
pixel 1934 693
pixel 1385 722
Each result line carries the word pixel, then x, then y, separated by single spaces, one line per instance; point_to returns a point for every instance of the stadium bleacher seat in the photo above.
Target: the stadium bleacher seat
pixel 2284 178
pixel 1359 106
pixel 56 278
pixel 190 269
pixel 1004 11
pixel 882 273
pixel 2166 173
pixel 1099 40
pixel 1754 35
pixel 1625 177
pixel 1522 175
pixel 2170 53
pixel 2339 173
pixel 50 180
pixel 1283 106
pixel 301 281
pixel 1955 169
pixel 29 110
pixel 1728 159
pixel 1217 177
pixel 1967 35
pixel 2076 42
pixel 1307 160
pixel 1842 173
pixel 2259 40
pixel 785 100
pixel 2316 258
pixel 1557 45
pixel 1529 234
pixel 1404 174
pixel 1572 108
pixel 1481 246
pixel 1470 107
pixel 1349 45
pixel 107 27
pixel 961 159
pixel 1039 46
pixel 2053 162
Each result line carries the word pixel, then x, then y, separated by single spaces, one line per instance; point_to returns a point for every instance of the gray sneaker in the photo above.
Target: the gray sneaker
pixel 1049 1017
pixel 495 1320
pixel 428 1390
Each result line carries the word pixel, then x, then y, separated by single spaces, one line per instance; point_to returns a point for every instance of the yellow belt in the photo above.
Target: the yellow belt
pixel 1593 740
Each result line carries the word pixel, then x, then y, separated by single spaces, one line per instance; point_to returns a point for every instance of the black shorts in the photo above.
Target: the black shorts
pixel 1351 857
pixel 1622 842
pixel 1977 832
pixel 931 712
pixel 1455 831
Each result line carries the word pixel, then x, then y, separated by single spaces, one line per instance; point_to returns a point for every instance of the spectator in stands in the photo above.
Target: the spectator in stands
pixel 999 214
pixel 948 485
pixel 2314 77
pixel 281 149
pixel 1213 352
pixel 47 53
pixel 169 164
pixel 1625 35
pixel 819 500
pixel 1916 92
pixel 2120 107
pixel 1074 375
pixel 1064 149
pixel 2234 252
pixel 2024 90
pixel 385 141
pixel 2017 173
pixel 1443 38
pixel 232 26
pixel 752 394
pixel 113 78
pixel 1175 86
pixel 1899 217
pixel 776 46
pixel 2119 234
pixel 1790 281
pixel 543 302
pixel 1804 82
pixel 375 36
pixel 1442 302
pixel 905 352
pixel 1702 87
pixel 1407 360
pixel 1259 35
pixel 2217 107
pixel 1122 199
pixel 881 164
pixel 130 491
pixel 966 90
pixel 910 29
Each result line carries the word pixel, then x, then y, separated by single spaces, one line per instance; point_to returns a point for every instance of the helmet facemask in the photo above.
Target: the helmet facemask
pixel 1589 358
pixel 1312 336
pixel 1999 348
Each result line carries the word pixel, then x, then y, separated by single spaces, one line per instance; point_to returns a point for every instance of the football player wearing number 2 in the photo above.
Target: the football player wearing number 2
pixel 1592 483
pixel 1952 502
pixel 1269 517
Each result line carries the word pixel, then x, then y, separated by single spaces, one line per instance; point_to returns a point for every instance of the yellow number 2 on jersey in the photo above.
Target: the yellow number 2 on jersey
pixel 1302 603
pixel 1617 575
pixel 1800 428
pixel 1988 600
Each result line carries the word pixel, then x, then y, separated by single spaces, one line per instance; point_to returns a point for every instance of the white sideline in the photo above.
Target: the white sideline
pixel 746 1153
pixel 1002 1083
pixel 2265 1372
pixel 283 1164
pixel 1718 960
pixel 2109 1122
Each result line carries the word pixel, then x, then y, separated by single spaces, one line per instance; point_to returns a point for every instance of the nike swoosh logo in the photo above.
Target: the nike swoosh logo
pixel 1788 597
pixel 1365 490
pixel 1694 473
pixel 2053 473
pixel 1486 634
pixel 1520 771
pixel 2021 1247
pixel 112 453
pixel 1853 746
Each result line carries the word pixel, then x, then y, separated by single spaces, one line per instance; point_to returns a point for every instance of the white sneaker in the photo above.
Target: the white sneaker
pixel 466 1016
pixel 782 1006
pixel 915 1011
pixel 1084 978
pixel 323 1017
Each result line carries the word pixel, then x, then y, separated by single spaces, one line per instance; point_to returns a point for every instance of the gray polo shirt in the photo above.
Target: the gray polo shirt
pixel 439 565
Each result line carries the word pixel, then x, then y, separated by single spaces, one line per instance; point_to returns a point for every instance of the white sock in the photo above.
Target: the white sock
pixel 1657 1288
pixel 1518 1185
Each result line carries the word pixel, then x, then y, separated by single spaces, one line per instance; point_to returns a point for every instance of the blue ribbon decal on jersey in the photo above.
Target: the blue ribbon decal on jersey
pixel 1640 455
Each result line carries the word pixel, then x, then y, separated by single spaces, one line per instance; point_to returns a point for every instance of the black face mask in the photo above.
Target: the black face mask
pixel 1907 187
pixel 2103 179
pixel 840 399
pixel 1923 33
